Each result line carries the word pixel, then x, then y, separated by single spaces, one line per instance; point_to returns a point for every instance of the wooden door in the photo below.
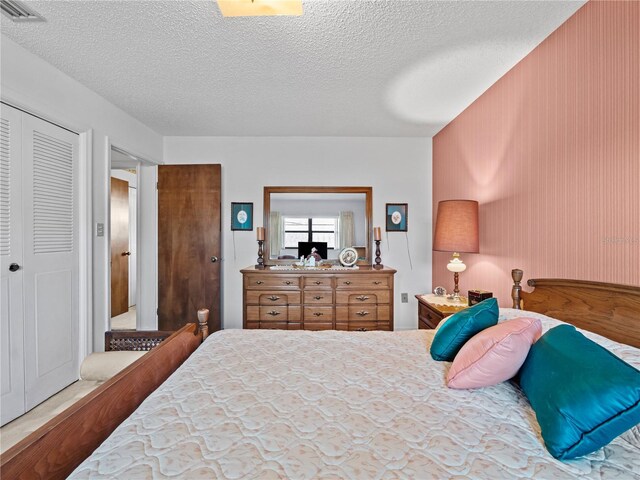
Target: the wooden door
pixel 11 261
pixel 119 246
pixel 188 244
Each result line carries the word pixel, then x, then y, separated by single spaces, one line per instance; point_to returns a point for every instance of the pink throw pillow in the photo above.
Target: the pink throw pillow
pixel 494 355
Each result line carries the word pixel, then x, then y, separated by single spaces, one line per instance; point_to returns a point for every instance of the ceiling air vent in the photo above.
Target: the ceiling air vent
pixel 19 12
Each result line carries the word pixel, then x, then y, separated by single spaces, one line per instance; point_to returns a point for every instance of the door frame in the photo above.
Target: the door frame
pixel 85 211
pixel 139 161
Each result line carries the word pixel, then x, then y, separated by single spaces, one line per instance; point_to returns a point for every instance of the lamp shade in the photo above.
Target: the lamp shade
pixel 457 227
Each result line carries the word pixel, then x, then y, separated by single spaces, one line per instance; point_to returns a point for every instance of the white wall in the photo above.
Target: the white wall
pixel 32 84
pixel 398 169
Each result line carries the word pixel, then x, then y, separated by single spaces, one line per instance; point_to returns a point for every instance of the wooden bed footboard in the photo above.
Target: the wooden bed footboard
pixel 608 309
pixel 58 447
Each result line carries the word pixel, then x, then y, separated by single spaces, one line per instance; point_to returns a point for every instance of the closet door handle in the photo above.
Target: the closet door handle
pixel 214 259
pixel 126 254
pixel 14 267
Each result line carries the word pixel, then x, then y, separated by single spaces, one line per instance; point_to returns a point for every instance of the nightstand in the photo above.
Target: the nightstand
pixel 432 309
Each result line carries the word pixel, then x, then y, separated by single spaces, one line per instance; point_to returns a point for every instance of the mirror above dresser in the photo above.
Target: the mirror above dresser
pixel 331 218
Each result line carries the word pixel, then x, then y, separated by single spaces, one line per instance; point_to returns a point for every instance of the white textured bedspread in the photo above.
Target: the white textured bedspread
pixel 365 405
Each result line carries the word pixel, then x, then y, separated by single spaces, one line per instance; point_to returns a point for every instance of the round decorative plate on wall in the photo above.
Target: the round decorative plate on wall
pixel 348 257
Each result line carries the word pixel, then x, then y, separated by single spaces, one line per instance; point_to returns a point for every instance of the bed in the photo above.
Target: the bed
pixel 277 404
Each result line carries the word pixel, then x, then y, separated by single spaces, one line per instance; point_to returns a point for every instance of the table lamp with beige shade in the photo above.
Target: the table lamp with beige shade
pixel 457 231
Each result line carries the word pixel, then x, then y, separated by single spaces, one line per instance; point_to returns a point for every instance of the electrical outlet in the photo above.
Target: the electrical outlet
pixel 99 229
pixel 404 297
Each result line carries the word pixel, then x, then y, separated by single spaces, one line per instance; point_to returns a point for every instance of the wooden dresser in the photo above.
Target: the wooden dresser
pixel 318 299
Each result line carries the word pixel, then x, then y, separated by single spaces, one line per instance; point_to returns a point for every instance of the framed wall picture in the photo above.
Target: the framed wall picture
pixel 396 215
pixel 241 216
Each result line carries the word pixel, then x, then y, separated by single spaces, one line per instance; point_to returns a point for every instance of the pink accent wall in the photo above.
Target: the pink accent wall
pixel 552 153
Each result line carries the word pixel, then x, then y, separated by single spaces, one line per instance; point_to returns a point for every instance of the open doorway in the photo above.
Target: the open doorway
pixel 123 239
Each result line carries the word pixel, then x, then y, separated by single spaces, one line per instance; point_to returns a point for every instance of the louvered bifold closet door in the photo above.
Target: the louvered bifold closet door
pixel 11 313
pixel 51 235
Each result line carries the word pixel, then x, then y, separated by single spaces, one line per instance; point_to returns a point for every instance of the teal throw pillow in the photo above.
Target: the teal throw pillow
pixel 583 395
pixel 461 326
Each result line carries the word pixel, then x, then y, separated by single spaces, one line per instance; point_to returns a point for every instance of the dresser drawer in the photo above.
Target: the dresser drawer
pixel 427 318
pixel 258 297
pixel 274 325
pixel 361 326
pixel 362 281
pixel 368 313
pixel 384 313
pixel 320 297
pixel 317 282
pixel 318 325
pixel 358 298
pixel 272 281
pixel 273 313
pixel 318 314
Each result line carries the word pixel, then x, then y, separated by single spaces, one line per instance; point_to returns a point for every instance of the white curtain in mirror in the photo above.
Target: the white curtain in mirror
pixel 346 229
pixel 276 234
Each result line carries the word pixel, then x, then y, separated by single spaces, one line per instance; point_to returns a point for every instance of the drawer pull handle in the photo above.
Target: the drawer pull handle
pixel 288 282
pixel 347 282
pixel 362 313
pixel 318 297
pixel 377 282
pixel 259 282
pixel 361 329
pixel 318 314
pixel 362 298
pixel 273 313
pixel 318 282
pixel 273 298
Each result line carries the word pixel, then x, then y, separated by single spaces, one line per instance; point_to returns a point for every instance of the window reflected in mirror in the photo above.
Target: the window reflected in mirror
pixel 325 220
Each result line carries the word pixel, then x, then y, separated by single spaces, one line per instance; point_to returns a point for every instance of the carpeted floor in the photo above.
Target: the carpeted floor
pixel 22 426
pixel 126 321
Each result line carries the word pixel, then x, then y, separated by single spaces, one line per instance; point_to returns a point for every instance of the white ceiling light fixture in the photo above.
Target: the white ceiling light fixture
pixel 257 8
pixel 19 12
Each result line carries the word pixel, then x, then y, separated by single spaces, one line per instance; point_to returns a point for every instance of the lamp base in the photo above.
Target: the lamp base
pixel 456 265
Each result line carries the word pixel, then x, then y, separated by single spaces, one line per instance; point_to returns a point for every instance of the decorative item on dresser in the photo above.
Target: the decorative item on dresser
pixel 432 309
pixel 376 238
pixel 318 299
pixel 260 261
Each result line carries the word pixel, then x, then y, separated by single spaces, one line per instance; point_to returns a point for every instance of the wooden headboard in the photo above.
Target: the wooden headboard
pixel 607 309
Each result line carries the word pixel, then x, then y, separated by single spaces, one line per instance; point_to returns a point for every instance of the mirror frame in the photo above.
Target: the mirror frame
pixel 368 191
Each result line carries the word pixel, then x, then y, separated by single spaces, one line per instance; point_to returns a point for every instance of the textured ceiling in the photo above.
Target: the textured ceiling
pixel 345 68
